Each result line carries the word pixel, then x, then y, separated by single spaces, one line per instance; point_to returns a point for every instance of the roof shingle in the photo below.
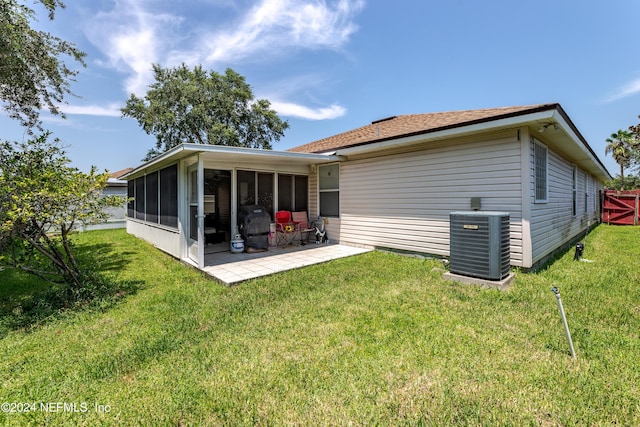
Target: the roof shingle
pixel 412 124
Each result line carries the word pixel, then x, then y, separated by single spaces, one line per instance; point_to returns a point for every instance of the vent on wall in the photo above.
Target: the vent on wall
pixel 479 244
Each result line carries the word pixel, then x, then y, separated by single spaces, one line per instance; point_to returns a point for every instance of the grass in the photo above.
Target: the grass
pixel 377 339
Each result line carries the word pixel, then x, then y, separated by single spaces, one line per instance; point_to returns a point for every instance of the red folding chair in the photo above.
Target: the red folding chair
pixel 286 229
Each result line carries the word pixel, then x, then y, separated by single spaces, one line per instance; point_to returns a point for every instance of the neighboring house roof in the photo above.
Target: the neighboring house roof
pixel 413 124
pixel 114 178
pixel 120 173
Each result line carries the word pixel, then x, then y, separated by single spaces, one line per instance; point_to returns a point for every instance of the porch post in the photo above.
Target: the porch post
pixel 234 202
pixel 201 242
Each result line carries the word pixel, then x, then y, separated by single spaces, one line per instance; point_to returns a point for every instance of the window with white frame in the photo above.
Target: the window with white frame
pixel 596 197
pixel 329 188
pixel 540 161
pixel 586 193
pixel 574 190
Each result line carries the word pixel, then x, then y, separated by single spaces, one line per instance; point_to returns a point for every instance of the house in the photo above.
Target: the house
pixel 389 184
pixel 117 215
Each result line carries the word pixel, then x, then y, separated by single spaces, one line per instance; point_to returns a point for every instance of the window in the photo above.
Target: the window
pixel 596 198
pixel 329 180
pixel 586 193
pixel 540 164
pixel 169 196
pixel 574 190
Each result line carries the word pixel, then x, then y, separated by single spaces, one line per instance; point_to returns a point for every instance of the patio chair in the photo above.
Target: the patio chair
pixel 286 229
pixel 304 226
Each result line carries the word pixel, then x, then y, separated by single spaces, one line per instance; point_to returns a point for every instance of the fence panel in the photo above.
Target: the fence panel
pixel 621 207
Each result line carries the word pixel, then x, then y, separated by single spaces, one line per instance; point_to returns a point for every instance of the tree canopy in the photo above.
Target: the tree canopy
pixel 195 106
pixel 42 200
pixel 621 146
pixel 33 75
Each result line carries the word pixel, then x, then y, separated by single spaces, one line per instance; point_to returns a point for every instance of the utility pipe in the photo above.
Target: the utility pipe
pixel 556 291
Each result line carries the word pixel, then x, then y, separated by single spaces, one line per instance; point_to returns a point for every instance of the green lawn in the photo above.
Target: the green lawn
pixel 377 339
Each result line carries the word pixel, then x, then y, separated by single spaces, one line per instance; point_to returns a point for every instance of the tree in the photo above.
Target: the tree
pixel 621 145
pixel 42 200
pixel 193 106
pixel 32 74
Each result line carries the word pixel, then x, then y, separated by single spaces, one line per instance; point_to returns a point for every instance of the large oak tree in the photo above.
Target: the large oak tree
pixel 33 74
pixel 186 105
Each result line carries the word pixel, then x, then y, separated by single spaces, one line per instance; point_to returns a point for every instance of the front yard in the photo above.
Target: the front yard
pixel 377 339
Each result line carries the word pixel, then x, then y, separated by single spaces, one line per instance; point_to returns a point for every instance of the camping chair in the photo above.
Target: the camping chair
pixel 304 226
pixel 286 229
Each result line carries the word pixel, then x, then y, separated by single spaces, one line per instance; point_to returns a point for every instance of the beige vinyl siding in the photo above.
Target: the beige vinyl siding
pixel 552 223
pixel 403 200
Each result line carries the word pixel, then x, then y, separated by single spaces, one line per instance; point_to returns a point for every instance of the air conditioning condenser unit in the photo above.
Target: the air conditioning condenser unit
pixel 479 244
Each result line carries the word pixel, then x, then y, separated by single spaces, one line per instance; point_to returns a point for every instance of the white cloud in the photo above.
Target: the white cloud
pixel 627 90
pixel 132 38
pixel 110 110
pixel 274 25
pixel 300 111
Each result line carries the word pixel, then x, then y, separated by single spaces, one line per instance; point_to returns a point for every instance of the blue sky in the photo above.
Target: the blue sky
pixel 329 66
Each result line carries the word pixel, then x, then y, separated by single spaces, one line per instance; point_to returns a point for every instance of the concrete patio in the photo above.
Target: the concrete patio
pixel 232 268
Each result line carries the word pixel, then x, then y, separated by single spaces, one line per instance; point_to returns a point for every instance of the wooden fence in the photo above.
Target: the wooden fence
pixel 621 207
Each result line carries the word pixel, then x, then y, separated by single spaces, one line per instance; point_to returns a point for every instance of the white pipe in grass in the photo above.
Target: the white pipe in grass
pixel 556 291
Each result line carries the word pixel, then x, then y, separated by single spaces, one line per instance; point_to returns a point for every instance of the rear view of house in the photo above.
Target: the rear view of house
pixel 400 177
pixel 389 184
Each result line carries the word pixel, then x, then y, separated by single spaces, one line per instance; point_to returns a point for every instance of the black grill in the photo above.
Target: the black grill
pixel 254 222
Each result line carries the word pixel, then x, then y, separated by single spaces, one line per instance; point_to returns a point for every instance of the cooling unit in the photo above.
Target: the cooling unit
pixel 479 244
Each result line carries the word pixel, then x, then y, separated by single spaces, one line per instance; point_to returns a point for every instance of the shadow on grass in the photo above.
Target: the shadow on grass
pixel 27 301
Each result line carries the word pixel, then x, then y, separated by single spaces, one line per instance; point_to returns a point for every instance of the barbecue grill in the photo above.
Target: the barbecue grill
pixel 254 224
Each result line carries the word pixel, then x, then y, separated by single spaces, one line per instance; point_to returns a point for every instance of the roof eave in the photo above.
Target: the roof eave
pixel 184 150
pixel 550 112
pixel 450 131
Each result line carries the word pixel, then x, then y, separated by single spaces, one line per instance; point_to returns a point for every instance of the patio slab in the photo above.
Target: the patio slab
pixel 235 268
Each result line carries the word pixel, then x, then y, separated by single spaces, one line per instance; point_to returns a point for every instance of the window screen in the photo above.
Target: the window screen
pixel 140 198
pixel 151 197
pixel 302 193
pixel 285 192
pixel 169 196
pixel 131 193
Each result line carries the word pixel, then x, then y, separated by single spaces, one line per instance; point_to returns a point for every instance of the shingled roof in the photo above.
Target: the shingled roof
pixel 414 124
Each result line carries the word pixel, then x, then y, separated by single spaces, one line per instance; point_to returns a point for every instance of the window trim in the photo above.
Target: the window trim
pixel 538 144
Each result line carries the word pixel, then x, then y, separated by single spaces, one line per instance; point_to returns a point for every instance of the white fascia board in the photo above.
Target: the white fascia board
pixel 164 156
pixel 183 150
pixel 257 152
pixel 557 117
pixel 448 133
